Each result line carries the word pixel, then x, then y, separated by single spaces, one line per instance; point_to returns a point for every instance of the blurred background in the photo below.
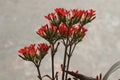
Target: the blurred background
pixel 19 19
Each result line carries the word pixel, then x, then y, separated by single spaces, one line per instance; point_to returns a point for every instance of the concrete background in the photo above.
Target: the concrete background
pixel 19 19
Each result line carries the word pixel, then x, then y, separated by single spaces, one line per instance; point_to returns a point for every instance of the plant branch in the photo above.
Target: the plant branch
pixel 37 65
pixel 69 57
pixel 68 62
pixel 52 59
pixel 47 77
pixel 39 75
pixel 64 62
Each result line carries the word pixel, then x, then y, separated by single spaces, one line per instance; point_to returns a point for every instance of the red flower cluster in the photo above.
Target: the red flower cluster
pixel 63 29
pixel 62 12
pixel 43 47
pixel 57 32
pixel 77 13
pixel 50 16
pixel 42 30
pixel 66 23
pixel 30 52
pixel 49 33
pixel 75 16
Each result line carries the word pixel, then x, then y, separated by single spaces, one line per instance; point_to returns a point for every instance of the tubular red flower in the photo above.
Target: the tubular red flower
pixel 73 30
pixel 32 49
pixel 29 50
pixel 83 30
pixel 92 12
pixel 53 28
pixel 42 47
pixel 77 13
pixel 62 11
pixel 44 30
pixel 50 16
pixel 22 51
pixel 63 29
pixel 41 31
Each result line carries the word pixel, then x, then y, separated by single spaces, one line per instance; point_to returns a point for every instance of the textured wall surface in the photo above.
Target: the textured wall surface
pixel 19 19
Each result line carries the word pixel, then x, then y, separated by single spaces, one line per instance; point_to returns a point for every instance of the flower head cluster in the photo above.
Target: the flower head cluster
pixel 32 51
pixel 71 17
pixel 48 32
pixel 66 23
pixel 43 48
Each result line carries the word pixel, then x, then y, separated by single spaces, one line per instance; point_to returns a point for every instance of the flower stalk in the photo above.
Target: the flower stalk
pixel 66 45
pixel 39 74
pixel 52 59
pixel 68 62
pixel 64 62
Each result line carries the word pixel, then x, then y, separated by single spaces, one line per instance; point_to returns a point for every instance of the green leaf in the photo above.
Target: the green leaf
pixel 111 70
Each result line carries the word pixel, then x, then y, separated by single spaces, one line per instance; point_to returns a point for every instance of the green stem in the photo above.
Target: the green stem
pixel 69 57
pixel 52 59
pixel 37 65
pixel 39 75
pixel 68 61
pixel 52 67
pixel 65 53
pixel 64 62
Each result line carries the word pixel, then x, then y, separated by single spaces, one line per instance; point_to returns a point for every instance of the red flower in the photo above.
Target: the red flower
pixel 22 51
pixel 53 28
pixel 92 12
pixel 42 31
pixel 83 30
pixel 42 47
pixel 77 13
pixel 29 50
pixel 62 11
pixel 73 30
pixel 32 49
pixel 45 29
pixel 63 29
pixel 50 16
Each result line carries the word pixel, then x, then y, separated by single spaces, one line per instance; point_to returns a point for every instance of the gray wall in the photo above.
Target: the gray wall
pixel 19 19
